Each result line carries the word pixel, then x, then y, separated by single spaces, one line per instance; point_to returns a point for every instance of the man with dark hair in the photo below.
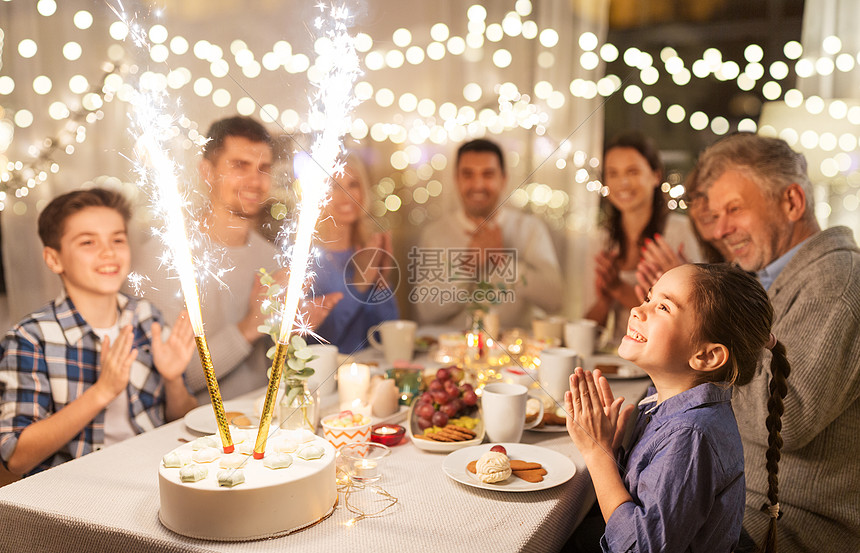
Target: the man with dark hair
pixel 236 165
pixel 223 130
pixel 488 254
pixel 761 196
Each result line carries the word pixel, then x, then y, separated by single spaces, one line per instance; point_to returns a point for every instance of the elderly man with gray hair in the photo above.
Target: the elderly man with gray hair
pixel 760 193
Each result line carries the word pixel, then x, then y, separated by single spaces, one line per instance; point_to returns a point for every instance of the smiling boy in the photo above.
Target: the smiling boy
pixel 90 368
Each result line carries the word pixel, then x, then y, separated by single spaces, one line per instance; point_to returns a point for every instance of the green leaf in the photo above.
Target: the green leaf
pixel 271 354
pixel 304 353
pixel 264 329
pixel 298 342
pixel 295 364
pixel 307 372
pixel 266 279
pixel 274 289
pixel 291 393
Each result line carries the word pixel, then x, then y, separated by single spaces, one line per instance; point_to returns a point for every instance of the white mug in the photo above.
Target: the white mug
pixel 556 366
pixel 550 330
pixel 581 336
pixel 397 339
pixel 325 369
pixel 504 411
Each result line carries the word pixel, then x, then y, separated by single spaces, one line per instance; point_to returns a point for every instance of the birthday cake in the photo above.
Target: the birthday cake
pixel 208 494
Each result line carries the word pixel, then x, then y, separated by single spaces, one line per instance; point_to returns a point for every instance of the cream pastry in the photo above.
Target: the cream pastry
pixel 492 467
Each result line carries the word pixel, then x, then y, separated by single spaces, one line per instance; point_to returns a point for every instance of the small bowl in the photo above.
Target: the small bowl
pixel 338 436
pixel 363 460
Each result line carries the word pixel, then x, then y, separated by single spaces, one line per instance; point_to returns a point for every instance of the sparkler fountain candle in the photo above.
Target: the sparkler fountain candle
pixel 158 173
pixel 331 105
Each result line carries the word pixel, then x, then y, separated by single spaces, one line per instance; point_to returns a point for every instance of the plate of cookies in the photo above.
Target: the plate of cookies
pixel 614 367
pixel 459 432
pixel 239 412
pixel 508 467
pixel 553 421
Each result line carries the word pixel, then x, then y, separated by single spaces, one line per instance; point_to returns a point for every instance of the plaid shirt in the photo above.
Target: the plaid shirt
pixel 50 358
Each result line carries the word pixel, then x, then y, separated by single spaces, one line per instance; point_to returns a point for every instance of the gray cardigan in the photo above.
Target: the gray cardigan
pixel 816 301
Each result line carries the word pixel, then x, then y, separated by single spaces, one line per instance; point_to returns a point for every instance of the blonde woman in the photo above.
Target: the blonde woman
pixel 354 258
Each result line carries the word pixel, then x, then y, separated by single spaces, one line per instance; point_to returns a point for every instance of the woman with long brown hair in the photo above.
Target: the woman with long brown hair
pixel 635 213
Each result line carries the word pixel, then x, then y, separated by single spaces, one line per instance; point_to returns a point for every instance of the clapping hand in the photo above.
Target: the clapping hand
pixel 657 258
pixel 115 361
pixel 373 262
pixel 171 356
pixel 595 420
pixel 317 309
pixel 606 279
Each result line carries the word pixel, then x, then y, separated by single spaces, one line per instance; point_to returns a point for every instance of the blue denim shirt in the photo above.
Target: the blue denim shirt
pixel 685 472
pixel 347 323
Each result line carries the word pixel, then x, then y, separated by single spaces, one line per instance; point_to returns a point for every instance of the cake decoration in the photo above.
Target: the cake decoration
pixel 206 455
pixel 284 446
pixel 230 478
pixel 193 473
pixel 310 452
pixel 204 442
pixel 278 460
pixel 172 460
pixel 246 448
pixel 231 461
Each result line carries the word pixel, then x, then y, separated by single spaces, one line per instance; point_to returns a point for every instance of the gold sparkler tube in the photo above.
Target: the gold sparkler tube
pixel 214 392
pixel 269 405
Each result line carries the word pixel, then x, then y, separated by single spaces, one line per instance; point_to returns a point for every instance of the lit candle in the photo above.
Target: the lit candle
pixel 366 469
pixel 353 382
pixel 357 407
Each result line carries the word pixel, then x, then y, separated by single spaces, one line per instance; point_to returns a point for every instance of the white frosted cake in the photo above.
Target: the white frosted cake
pixel 211 495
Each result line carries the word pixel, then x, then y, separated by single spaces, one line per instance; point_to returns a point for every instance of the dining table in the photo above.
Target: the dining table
pixel 109 500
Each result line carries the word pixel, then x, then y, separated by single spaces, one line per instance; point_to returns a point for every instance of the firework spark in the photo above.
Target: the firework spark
pixel 332 104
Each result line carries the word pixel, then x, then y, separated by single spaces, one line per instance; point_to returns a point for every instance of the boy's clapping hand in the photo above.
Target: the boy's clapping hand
pixel 173 355
pixel 115 361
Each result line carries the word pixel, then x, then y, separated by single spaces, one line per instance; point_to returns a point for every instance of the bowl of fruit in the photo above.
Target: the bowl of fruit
pixel 446 416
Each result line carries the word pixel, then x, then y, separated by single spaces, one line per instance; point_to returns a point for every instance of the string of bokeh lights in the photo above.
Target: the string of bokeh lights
pixel 429 124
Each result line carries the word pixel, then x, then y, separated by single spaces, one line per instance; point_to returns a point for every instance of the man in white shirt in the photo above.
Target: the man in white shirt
pixel 485 254
pixel 237 165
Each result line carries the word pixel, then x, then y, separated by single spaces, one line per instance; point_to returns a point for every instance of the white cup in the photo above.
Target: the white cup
pixel 556 366
pixel 581 336
pixel 504 411
pixel 325 369
pixel 397 339
pixel 550 330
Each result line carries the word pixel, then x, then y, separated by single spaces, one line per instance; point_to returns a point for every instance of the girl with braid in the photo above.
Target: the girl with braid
pixel 680 485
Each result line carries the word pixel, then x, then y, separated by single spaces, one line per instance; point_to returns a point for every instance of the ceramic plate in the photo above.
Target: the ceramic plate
pixel 202 419
pixel 626 369
pixel 559 469
pixel 440 447
pixel 549 428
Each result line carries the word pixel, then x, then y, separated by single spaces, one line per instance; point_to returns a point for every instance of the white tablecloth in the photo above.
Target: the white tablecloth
pixel 108 501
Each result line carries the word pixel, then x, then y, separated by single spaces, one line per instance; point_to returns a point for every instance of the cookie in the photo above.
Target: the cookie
pixel 532 475
pixel 524 465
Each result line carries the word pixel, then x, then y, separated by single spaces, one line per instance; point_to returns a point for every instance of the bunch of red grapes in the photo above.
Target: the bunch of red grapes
pixel 444 400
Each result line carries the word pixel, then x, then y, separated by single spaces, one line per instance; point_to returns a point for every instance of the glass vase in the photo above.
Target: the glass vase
pixel 298 407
